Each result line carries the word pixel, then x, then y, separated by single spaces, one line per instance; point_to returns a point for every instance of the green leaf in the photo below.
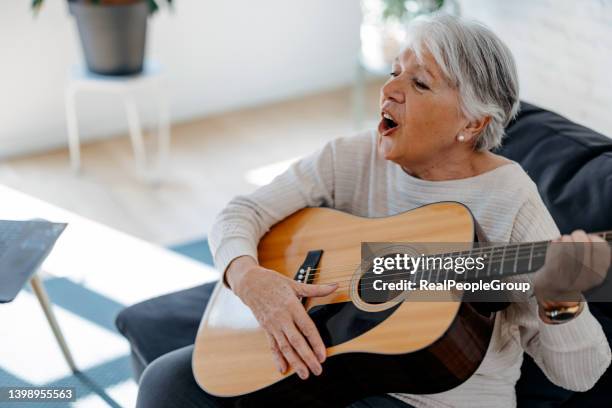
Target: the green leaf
pixel 153 7
pixel 394 8
pixel 36 5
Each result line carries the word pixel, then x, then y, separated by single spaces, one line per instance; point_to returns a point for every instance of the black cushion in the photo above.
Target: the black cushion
pixel 572 167
pixel 163 324
pixel 571 164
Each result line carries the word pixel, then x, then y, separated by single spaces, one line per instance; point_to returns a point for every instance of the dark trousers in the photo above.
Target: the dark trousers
pixel 161 332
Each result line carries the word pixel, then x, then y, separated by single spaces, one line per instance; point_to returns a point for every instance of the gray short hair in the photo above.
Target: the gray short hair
pixel 477 63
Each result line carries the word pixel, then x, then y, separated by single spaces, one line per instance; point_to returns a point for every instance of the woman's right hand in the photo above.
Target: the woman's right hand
pixel 275 300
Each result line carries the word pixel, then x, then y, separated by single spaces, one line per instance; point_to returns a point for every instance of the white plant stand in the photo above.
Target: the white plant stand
pixel 127 88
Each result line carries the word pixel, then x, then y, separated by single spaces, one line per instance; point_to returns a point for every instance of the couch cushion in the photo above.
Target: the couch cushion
pixel 571 164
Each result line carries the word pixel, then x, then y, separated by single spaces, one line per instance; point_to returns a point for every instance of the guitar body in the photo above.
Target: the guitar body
pixel 417 347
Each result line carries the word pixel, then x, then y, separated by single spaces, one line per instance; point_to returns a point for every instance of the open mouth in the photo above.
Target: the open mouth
pixel 387 124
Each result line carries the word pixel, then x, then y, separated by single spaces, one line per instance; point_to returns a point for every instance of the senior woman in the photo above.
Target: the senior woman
pixel 449 96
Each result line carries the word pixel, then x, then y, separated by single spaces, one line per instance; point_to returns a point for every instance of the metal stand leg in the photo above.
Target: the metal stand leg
pixel 136 134
pixel 41 294
pixel 163 132
pixel 73 130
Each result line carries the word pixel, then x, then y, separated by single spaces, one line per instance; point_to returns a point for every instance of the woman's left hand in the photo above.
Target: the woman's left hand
pixel 574 264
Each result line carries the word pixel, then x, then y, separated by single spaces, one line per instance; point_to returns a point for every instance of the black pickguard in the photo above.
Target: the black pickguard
pixel 341 322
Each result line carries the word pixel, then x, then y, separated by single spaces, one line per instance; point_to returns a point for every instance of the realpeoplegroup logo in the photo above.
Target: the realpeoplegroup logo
pixel 451 284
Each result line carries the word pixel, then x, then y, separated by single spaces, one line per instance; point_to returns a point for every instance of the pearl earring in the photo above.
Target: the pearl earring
pixel 461 138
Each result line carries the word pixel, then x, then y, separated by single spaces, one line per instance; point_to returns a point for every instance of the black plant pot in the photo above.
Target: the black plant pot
pixel 113 36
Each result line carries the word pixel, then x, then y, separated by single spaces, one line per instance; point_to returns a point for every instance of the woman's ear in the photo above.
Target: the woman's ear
pixel 474 128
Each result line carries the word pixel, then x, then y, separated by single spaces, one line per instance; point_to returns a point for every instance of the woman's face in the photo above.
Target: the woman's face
pixel 420 113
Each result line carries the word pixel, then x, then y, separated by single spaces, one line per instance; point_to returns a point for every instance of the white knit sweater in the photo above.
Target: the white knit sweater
pixel 348 174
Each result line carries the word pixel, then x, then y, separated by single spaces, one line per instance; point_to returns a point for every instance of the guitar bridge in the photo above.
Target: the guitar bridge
pixel 304 273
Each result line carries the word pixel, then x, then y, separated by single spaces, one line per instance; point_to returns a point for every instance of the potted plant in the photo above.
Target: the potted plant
pixel 383 29
pixel 112 32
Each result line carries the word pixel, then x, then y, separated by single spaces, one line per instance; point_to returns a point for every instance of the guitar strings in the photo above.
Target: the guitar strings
pixel 478 251
pixel 422 272
pixel 494 258
pixel 488 250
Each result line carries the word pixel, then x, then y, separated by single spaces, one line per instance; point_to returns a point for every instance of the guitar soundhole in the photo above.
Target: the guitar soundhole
pixel 373 288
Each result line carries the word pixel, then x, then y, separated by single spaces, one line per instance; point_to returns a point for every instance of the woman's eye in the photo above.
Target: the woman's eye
pixel 420 85
pixel 394 74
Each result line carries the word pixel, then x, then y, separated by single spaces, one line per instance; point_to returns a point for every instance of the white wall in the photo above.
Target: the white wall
pixel 563 50
pixel 218 55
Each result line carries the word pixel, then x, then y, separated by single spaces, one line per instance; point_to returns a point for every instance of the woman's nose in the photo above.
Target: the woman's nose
pixel 392 91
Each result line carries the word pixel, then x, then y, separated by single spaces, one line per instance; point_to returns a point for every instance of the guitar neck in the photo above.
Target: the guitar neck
pixel 499 260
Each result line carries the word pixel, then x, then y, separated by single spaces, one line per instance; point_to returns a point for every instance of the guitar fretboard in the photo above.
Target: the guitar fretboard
pixel 499 261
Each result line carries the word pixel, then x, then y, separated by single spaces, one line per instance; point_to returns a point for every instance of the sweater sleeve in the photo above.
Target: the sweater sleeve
pixel 573 355
pixel 237 229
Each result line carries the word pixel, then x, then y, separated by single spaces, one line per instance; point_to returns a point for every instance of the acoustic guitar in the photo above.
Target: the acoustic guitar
pixel 372 347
